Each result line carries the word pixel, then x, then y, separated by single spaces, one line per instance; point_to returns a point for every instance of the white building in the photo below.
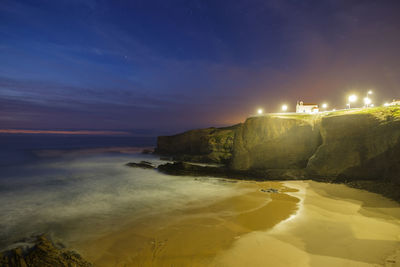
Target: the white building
pixel 302 107
pixel 395 102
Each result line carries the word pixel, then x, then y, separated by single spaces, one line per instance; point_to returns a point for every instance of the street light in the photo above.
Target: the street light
pixel 284 107
pixel 324 105
pixel 260 111
pixel 386 104
pixel 352 98
pixel 367 101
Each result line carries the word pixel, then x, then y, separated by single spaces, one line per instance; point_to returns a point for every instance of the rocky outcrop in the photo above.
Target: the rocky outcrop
pixel 356 146
pixel 192 169
pixel 271 142
pixel 203 145
pixel 363 144
pixel 143 164
pixel 42 253
pixel 359 146
pixel 184 168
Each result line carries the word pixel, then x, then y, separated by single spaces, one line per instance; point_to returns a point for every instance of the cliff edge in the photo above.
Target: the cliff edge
pixel 343 146
pixel 210 145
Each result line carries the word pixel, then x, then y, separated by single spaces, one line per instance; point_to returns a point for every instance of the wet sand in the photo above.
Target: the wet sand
pixel 306 224
pixel 335 226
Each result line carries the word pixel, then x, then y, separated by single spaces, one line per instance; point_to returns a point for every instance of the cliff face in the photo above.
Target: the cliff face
pixel 343 146
pixel 202 145
pixel 270 142
pixel 352 145
pixel 359 146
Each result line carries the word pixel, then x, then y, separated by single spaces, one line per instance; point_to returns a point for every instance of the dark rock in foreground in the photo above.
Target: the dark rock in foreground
pixel 143 164
pixel 270 190
pixel 43 253
pixel 184 168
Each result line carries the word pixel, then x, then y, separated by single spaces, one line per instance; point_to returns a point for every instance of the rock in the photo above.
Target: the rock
pixel 143 164
pixel 271 142
pixel 189 169
pixel 184 168
pixel 270 190
pixel 358 146
pixel 339 147
pixel 42 253
pixel 351 146
pixel 211 145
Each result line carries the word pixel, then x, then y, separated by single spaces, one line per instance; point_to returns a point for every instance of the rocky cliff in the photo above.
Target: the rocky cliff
pixel 343 146
pixel 347 145
pixel 275 142
pixel 363 145
pixel 203 145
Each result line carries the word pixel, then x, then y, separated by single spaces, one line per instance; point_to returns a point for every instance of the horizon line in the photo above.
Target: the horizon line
pixel 65 132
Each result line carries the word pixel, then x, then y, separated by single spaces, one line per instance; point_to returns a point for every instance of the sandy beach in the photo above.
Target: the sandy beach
pixel 305 224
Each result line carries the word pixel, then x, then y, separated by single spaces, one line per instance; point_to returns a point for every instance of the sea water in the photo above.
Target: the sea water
pixel 74 192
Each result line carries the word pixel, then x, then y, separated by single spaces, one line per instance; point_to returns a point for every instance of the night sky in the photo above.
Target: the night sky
pixel 174 65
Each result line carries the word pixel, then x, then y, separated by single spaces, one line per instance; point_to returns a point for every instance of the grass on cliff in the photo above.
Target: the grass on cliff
pixel 382 113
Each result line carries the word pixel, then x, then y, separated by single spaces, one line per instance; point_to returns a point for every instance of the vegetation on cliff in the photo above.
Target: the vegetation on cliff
pixel 202 145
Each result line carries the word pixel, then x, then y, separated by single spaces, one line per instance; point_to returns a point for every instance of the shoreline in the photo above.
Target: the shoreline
pixel 319 224
pixel 193 236
pixel 336 226
pixel 387 189
pixel 303 223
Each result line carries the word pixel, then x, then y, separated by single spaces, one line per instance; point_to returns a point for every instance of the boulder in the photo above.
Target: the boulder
pixel 42 253
pixel 143 164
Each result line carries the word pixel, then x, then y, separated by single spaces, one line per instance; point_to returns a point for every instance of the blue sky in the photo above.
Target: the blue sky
pixel 176 65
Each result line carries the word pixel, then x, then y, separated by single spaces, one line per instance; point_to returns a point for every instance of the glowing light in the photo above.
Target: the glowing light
pixel 324 105
pixel 372 105
pixel 369 92
pixel 333 109
pixel 284 107
pixel 260 111
pixel 352 98
pixel 367 101
pixel 386 104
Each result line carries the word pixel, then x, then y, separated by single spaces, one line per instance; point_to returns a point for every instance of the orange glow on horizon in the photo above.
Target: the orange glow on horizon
pixel 18 131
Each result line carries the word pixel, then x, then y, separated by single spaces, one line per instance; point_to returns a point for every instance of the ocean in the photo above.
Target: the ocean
pixel 78 187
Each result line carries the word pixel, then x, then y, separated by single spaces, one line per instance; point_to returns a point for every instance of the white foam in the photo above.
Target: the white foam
pixel 70 197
